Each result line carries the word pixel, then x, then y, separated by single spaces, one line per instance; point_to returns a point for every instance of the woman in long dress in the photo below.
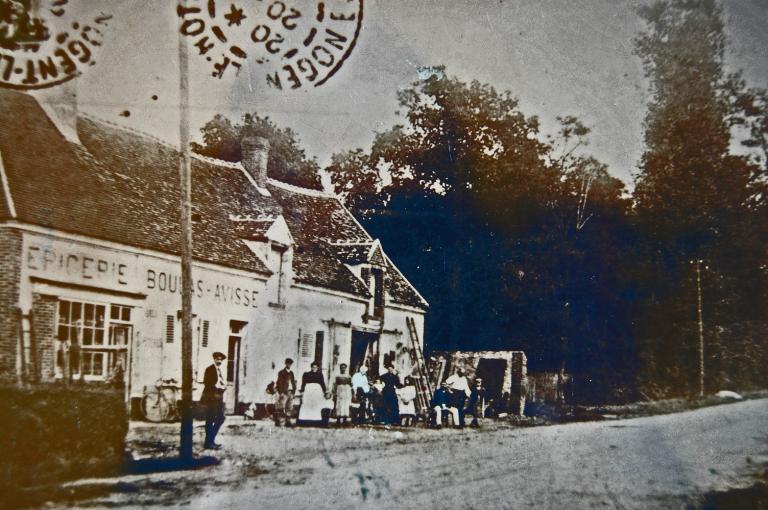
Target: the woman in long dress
pixel 389 396
pixel 407 402
pixel 313 395
pixel 342 388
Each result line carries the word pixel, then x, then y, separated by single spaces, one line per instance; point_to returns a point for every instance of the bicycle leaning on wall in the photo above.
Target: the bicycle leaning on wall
pixel 160 403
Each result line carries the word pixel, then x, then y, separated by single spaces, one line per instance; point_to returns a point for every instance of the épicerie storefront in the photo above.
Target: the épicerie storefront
pixel 90 286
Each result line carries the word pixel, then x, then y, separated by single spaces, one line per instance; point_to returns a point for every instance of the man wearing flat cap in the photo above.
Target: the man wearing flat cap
pixel 212 400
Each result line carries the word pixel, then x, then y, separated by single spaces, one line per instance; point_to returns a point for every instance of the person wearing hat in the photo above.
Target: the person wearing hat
pixel 212 400
pixel 286 388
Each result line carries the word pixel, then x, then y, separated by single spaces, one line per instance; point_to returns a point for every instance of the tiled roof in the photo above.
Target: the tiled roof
pixel 255 230
pixel 122 186
pixel 399 289
pixel 312 218
pixel 352 253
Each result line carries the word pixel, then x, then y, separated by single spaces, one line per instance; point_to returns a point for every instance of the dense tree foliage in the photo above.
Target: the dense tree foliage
pixel 696 200
pixel 525 241
pixel 287 160
pixel 514 239
pixel 521 240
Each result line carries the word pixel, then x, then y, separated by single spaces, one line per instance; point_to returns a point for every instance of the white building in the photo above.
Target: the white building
pixel 89 236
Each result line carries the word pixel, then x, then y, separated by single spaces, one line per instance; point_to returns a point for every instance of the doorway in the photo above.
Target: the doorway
pixel 492 371
pixel 363 352
pixel 236 329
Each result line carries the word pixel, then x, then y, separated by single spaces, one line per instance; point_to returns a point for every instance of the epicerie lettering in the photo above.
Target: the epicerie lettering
pixel 76 265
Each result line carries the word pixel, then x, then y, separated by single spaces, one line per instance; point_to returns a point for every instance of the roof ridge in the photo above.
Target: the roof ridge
pixel 299 189
pixel 216 161
pixel 165 143
pixel 348 243
pixel 249 218
pixel 121 127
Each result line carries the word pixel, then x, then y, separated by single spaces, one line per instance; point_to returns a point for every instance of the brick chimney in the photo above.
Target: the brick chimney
pixel 255 151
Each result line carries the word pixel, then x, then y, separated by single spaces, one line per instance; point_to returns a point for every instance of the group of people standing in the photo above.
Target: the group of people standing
pixel 358 399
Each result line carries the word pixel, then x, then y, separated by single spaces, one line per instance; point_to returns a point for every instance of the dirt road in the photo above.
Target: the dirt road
pixel 656 462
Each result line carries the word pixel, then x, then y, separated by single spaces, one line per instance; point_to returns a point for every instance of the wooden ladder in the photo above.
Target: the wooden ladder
pixel 420 376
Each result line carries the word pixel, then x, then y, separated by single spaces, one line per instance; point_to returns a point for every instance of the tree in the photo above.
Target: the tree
pixel 287 160
pixel 490 222
pixel 695 200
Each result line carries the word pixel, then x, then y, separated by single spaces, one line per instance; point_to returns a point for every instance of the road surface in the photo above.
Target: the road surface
pixel 655 462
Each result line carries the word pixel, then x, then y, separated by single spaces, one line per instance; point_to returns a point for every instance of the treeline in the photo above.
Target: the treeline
pixel 524 241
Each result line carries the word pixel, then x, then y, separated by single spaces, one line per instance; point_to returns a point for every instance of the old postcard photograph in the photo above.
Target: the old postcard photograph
pixel 384 254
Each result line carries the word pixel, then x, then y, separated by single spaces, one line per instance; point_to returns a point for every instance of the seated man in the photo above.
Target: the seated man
pixel 460 391
pixel 361 392
pixel 443 401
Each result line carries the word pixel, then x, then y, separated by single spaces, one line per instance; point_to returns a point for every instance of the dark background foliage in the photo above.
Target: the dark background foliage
pixel 520 240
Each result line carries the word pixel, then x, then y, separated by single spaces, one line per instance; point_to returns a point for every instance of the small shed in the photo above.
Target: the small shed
pixel 503 373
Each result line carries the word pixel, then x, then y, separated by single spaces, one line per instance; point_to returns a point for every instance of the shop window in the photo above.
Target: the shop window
pixel 92 339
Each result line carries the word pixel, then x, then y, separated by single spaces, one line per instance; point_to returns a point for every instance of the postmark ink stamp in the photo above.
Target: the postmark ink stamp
pixel 294 43
pixel 42 44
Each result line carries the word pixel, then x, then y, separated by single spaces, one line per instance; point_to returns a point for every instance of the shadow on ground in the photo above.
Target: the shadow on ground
pixel 750 498
pixel 158 492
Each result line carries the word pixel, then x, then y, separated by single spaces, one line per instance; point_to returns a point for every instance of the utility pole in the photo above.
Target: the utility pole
pixel 185 180
pixel 701 327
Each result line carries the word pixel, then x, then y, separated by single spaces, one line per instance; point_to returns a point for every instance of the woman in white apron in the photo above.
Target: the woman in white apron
pixel 313 399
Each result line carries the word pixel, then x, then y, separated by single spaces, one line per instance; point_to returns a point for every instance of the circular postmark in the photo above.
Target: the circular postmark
pixel 297 43
pixel 42 44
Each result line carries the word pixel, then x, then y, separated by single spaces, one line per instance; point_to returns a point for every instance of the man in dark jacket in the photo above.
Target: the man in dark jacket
pixel 286 387
pixel 443 401
pixel 212 400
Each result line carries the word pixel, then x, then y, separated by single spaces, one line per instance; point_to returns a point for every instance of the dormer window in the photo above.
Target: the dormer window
pixel 377 289
pixel 277 254
pixel 374 279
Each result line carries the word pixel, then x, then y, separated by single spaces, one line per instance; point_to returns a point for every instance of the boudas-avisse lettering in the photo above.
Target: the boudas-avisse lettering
pixel 171 283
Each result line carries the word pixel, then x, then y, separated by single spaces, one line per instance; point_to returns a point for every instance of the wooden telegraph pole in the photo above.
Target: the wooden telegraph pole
pixel 185 180
pixel 701 328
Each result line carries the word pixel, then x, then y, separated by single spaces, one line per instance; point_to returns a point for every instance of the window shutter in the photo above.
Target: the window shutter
pixel 170 324
pixel 306 350
pixel 206 325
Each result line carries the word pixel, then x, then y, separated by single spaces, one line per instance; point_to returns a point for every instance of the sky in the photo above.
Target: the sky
pixel 558 57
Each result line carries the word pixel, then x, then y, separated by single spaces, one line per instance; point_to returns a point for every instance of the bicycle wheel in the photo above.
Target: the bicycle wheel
pixel 169 395
pixel 155 407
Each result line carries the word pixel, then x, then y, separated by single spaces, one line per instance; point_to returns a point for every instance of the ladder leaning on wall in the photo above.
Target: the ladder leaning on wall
pixel 420 377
